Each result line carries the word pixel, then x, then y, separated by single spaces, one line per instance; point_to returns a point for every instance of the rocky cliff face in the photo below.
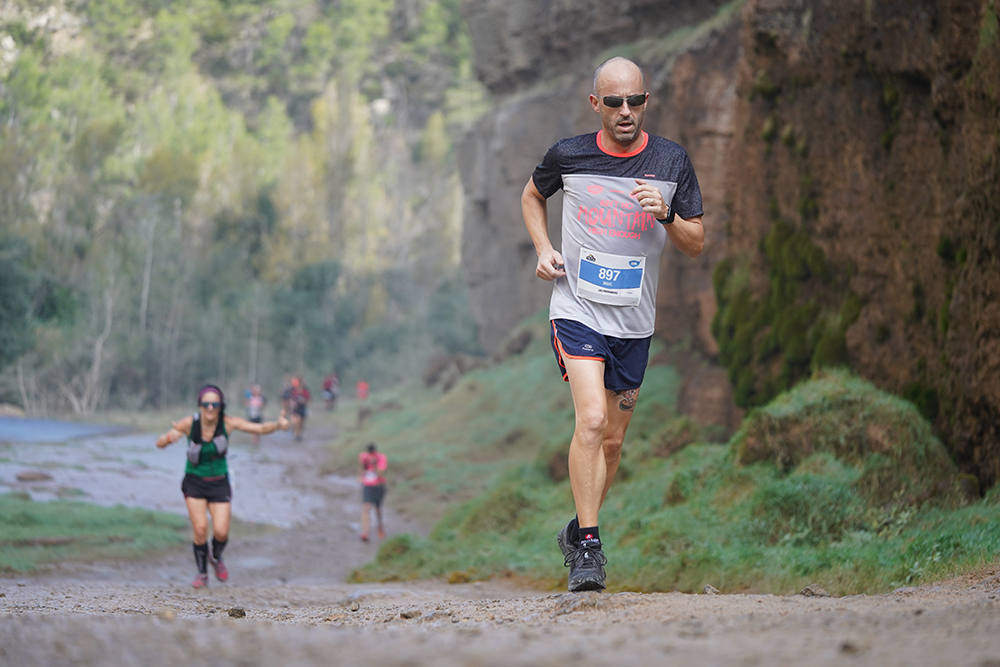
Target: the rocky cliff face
pixel 873 128
pixel 848 153
pixel 538 65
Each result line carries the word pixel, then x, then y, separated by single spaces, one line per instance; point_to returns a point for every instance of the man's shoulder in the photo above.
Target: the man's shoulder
pixel 662 143
pixel 576 144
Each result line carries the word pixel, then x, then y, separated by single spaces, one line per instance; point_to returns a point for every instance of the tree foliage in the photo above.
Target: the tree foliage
pixel 227 190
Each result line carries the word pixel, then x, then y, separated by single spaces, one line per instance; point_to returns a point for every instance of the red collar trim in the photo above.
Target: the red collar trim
pixel 642 146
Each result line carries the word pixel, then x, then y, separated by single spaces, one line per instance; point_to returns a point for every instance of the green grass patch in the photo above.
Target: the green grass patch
pixel 39 533
pixel 833 482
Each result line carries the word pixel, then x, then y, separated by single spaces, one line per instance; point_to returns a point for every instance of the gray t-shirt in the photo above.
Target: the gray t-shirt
pixel 610 245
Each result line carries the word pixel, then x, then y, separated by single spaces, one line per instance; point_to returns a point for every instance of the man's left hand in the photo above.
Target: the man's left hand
pixel 651 199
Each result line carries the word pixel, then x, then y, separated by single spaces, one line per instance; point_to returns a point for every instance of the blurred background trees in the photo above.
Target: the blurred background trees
pixel 227 191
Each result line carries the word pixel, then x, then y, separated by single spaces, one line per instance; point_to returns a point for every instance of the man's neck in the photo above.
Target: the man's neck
pixel 608 144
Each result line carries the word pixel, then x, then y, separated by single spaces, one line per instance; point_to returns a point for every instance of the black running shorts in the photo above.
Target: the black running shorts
pixel 212 489
pixel 373 494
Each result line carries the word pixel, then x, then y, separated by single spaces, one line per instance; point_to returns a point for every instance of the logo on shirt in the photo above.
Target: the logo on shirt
pixel 616 217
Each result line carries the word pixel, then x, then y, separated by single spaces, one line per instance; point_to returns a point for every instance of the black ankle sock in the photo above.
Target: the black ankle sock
pixel 217 548
pixel 591 535
pixel 201 557
pixel 573 532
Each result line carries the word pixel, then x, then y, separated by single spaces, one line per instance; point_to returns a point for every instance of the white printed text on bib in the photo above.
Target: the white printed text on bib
pixel 611 279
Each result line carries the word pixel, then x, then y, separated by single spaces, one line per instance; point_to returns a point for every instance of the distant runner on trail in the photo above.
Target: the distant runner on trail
pixel 625 192
pixel 206 485
pixel 286 395
pixel 373 465
pixel 361 389
pixel 299 397
pixel 255 402
pixel 331 385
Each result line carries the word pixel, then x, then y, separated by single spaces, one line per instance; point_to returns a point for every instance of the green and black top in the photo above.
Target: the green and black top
pixel 207 459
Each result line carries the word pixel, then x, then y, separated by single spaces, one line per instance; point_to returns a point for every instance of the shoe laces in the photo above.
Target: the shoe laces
pixel 591 555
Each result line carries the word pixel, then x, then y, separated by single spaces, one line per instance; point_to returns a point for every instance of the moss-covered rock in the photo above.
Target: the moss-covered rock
pixel 896 457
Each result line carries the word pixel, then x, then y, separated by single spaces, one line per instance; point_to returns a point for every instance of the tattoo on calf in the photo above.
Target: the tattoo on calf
pixel 628 398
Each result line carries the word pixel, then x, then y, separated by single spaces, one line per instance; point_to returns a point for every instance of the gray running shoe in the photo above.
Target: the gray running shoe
pixel 586 568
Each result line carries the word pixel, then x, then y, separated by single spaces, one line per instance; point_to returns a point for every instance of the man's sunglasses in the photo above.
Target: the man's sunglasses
pixel 615 101
pixel 210 404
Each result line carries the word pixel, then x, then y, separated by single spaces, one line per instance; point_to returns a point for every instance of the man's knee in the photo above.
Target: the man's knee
pixel 591 422
pixel 613 447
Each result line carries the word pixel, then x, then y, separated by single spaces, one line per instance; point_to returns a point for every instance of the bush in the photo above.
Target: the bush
pixel 883 437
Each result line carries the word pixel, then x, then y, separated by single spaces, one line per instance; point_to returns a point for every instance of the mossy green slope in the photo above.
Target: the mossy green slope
pixel 833 482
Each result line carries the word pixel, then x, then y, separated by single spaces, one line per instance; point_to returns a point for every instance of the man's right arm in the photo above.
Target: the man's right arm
pixel 535 213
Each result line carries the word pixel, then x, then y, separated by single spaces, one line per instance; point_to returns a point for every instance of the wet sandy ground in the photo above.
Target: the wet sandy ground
pixel 114 468
pixel 101 622
pixel 286 604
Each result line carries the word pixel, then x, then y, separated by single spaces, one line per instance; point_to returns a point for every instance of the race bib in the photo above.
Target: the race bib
pixel 371 476
pixel 611 279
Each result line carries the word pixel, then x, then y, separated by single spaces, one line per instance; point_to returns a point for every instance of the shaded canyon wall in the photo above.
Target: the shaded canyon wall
pixel 538 64
pixel 873 127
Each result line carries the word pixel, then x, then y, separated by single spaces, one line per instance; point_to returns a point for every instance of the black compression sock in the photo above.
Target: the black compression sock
pixel 217 548
pixel 591 536
pixel 201 557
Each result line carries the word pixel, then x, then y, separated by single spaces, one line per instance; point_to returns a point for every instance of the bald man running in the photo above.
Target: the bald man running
pixel 625 193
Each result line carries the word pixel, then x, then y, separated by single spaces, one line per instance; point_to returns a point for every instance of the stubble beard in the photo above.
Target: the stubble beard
pixel 625 138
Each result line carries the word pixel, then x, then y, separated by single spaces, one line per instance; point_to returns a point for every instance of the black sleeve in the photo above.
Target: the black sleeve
pixel 687 199
pixel 548 174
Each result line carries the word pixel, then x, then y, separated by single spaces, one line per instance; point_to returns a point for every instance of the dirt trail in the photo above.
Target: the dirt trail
pixel 286 604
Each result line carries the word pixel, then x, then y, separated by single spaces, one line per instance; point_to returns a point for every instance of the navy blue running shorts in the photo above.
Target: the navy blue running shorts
pixel 624 359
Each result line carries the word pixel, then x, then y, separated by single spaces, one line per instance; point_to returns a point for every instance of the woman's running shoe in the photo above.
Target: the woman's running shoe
pixel 221 573
pixel 200 581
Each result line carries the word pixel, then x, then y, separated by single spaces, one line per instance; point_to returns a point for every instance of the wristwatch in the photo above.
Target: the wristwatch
pixel 669 219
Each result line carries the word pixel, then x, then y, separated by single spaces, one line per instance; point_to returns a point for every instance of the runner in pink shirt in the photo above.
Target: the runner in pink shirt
pixel 373 465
